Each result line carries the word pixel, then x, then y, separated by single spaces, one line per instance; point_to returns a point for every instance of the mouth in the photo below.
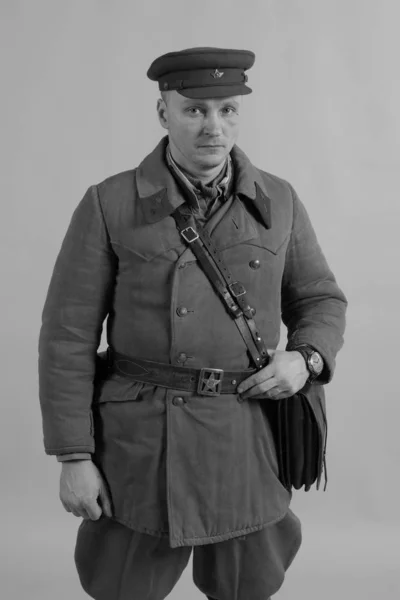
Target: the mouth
pixel 211 146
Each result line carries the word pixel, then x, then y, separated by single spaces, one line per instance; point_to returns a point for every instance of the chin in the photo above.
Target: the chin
pixel 211 160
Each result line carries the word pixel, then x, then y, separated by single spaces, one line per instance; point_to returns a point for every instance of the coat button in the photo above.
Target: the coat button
pixel 255 264
pixel 182 311
pixel 182 357
pixel 178 401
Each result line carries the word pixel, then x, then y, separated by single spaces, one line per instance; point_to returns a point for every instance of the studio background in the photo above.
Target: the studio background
pixel 76 107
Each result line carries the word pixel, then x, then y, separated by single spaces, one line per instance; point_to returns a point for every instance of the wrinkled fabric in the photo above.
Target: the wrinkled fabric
pixel 116 563
pixel 204 470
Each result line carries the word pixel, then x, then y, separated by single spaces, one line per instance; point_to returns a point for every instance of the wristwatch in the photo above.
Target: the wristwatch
pixel 314 361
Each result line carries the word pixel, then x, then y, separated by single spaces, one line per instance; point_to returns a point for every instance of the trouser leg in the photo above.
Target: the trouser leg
pixel 117 563
pixel 252 568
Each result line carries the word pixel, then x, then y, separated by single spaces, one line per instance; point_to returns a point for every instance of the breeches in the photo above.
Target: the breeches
pixel 117 563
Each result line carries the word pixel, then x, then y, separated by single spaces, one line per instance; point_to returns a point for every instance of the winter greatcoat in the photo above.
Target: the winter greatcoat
pixel 198 469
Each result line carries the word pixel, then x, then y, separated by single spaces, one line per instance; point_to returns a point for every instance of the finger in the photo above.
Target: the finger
pixel 93 511
pixel 259 389
pixel 273 394
pixel 105 501
pixel 256 379
pixel 84 513
pixel 281 396
pixel 79 510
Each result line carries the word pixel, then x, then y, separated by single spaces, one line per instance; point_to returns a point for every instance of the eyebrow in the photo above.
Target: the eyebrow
pixel 199 102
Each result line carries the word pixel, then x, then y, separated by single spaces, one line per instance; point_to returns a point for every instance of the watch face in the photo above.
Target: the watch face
pixel 316 363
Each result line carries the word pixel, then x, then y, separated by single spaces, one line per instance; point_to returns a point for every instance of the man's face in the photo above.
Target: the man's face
pixel 201 132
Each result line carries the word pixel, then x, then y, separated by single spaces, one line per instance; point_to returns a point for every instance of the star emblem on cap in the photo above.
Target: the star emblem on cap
pixel 217 74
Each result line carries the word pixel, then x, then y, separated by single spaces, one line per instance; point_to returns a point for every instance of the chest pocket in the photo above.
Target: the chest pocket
pixel 151 240
pixel 273 240
pixel 240 233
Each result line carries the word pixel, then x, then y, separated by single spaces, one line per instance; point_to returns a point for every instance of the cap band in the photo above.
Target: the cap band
pixel 201 78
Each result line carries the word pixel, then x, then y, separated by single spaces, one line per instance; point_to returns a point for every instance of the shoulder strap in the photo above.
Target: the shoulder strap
pixel 231 292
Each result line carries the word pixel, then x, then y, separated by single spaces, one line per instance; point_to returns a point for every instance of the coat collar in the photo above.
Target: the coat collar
pixel 160 195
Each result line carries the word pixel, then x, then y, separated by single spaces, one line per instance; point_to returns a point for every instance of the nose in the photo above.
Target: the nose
pixel 212 125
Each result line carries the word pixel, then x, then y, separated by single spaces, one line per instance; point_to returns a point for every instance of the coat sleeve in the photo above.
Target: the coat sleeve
pixel 313 305
pixel 78 300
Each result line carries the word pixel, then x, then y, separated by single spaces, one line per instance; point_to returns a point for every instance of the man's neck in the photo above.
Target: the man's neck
pixel 205 176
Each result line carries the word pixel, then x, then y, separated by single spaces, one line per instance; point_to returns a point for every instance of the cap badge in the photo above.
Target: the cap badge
pixel 217 74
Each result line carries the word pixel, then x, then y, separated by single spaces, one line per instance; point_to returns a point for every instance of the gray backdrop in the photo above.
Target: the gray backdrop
pixel 325 115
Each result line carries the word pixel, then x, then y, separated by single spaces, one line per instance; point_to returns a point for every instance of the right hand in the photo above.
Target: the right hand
pixel 80 485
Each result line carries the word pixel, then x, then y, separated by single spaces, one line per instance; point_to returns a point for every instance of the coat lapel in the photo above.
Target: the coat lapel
pixel 159 193
pixel 251 185
pixel 252 214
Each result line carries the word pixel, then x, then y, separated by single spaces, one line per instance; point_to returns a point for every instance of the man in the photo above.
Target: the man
pixel 170 450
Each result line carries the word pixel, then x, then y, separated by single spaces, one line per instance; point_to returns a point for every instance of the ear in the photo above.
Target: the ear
pixel 162 113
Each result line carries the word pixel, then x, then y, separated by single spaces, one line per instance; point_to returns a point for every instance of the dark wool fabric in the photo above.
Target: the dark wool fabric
pixel 202 469
pixel 116 563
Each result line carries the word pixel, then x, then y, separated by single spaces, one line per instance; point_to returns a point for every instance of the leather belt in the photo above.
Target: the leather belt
pixel 204 382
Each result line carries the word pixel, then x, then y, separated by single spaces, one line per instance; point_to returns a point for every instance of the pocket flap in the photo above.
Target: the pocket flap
pixel 150 241
pixel 117 389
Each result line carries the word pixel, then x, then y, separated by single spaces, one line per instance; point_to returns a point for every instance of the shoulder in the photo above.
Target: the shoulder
pixel 286 199
pixel 116 183
pixel 284 196
pixel 116 194
pixel 277 187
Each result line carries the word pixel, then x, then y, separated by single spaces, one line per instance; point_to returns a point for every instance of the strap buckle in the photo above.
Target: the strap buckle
pixel 237 289
pixel 189 234
pixel 210 382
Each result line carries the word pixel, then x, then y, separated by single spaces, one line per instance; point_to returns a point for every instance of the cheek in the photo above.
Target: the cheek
pixel 186 132
pixel 232 124
pixel 231 130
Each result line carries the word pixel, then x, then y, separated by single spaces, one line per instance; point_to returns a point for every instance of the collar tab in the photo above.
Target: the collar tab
pixel 156 207
pixel 263 206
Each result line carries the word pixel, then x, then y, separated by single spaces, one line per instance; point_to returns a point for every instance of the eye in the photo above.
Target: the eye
pixel 193 110
pixel 229 110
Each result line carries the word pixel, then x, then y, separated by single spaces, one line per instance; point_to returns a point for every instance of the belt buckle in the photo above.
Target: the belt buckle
pixel 189 234
pixel 210 382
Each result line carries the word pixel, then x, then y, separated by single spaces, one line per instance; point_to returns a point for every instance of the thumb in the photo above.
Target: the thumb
pixel 105 501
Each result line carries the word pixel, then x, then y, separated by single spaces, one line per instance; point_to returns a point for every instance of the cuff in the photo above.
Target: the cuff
pixel 75 456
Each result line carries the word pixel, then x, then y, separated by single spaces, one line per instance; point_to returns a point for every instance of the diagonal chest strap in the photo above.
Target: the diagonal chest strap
pixel 231 292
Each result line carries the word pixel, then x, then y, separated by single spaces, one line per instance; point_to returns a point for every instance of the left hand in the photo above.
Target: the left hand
pixel 285 375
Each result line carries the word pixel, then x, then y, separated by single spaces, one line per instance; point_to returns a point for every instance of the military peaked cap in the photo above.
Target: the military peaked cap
pixel 203 72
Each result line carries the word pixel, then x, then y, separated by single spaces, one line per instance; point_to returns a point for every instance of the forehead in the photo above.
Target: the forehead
pixel 206 102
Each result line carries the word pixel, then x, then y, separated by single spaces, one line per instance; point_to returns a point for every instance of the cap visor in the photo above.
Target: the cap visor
pixel 219 91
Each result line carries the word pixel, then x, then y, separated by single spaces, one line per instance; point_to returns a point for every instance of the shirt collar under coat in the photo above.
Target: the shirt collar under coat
pixel 159 192
pixel 221 183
